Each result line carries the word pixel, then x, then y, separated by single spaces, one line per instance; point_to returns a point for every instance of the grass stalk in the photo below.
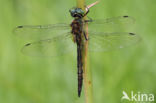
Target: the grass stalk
pixel 86 70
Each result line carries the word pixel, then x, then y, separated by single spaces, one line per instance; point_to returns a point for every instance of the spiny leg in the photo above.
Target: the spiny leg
pixel 84 33
pixel 86 12
pixel 90 20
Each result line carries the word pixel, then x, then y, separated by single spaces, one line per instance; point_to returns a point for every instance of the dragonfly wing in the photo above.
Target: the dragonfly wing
pixel 38 32
pixel 111 41
pixel 50 47
pixel 116 24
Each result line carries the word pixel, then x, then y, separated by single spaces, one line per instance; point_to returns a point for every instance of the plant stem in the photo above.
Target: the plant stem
pixel 81 4
pixel 86 70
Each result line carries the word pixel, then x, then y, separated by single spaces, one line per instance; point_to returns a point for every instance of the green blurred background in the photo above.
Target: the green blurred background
pixel 26 79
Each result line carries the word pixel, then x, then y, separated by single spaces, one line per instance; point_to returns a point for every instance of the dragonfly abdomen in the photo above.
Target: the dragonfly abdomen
pixel 80 68
pixel 77 35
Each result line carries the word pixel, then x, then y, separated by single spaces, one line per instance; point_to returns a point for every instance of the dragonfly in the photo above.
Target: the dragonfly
pixel 59 39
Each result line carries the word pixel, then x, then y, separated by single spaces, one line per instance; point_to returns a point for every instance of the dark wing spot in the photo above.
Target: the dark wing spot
pixel 28 44
pixel 131 33
pixel 125 16
pixel 20 27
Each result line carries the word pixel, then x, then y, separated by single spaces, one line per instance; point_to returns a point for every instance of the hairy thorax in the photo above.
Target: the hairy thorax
pixel 76 29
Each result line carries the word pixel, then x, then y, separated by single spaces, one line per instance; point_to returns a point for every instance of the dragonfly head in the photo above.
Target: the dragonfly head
pixel 77 12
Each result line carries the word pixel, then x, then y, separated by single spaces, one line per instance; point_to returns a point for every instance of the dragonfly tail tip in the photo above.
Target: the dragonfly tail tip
pixel 79 93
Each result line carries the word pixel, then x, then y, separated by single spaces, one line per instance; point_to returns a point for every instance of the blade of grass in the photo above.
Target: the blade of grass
pixel 86 70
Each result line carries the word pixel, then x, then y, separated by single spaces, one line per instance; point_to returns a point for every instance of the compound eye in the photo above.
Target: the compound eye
pixel 72 10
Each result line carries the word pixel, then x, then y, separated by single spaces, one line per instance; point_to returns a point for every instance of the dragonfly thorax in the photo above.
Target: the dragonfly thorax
pixel 77 26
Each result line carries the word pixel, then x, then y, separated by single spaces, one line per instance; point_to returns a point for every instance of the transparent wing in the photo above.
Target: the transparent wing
pixel 116 24
pixel 50 47
pixel 99 42
pixel 40 32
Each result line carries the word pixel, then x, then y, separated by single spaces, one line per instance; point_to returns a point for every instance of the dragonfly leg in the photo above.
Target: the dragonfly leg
pixel 87 9
pixel 90 20
pixel 84 33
